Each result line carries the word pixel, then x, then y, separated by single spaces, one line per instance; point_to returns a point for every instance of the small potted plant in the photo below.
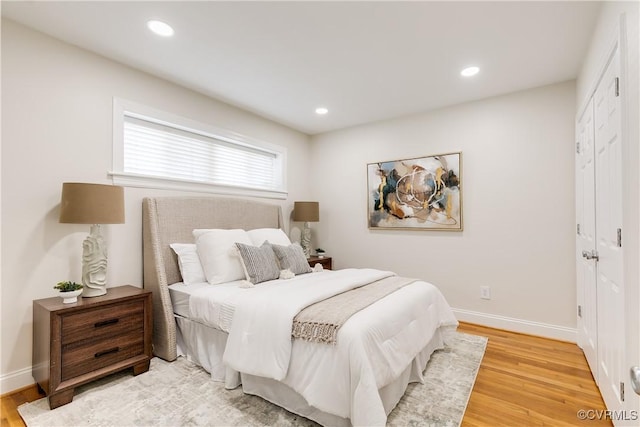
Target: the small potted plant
pixel 320 252
pixel 68 291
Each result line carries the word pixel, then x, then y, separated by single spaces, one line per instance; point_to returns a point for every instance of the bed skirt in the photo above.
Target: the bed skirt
pixel 204 346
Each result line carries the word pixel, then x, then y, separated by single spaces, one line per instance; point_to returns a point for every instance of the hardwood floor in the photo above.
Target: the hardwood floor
pixel 523 381
pixel 11 401
pixel 531 381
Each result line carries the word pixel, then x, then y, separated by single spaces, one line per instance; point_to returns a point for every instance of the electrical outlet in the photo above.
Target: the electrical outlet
pixel 485 292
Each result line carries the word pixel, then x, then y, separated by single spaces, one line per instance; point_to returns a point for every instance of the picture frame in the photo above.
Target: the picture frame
pixel 420 193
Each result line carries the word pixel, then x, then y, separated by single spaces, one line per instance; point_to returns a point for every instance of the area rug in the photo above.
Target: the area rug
pixel 183 394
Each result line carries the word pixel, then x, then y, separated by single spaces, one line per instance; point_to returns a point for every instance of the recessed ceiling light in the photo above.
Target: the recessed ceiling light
pixel 470 71
pixel 321 111
pixel 160 28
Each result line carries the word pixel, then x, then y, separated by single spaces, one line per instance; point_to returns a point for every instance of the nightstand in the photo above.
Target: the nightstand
pixel 326 261
pixel 76 343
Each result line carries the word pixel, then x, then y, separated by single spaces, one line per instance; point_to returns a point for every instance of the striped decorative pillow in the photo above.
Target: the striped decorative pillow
pixel 259 263
pixel 292 257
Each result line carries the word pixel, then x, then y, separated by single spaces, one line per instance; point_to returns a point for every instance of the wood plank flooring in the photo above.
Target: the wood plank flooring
pixel 530 381
pixel 523 381
pixel 10 402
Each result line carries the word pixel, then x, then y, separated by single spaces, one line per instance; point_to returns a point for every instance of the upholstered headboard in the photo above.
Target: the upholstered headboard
pixel 167 220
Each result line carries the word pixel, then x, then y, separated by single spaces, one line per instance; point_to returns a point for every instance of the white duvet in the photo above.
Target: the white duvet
pixel 373 347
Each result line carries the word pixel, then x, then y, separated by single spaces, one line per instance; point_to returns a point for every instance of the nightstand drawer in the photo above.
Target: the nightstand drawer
pixel 324 261
pixel 84 357
pixel 104 322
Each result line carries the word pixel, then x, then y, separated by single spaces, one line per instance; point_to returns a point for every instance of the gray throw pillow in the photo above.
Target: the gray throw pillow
pixel 259 263
pixel 292 258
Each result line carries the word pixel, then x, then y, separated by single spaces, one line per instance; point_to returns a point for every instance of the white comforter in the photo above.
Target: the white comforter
pixel 373 347
pixel 262 321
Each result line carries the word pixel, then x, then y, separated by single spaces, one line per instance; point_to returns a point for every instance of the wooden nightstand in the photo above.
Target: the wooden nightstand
pixel 326 261
pixel 76 343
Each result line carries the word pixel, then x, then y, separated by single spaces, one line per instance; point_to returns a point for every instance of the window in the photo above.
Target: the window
pixel 159 150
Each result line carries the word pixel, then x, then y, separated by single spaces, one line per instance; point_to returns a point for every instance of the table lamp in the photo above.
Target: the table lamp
pixel 93 204
pixel 306 212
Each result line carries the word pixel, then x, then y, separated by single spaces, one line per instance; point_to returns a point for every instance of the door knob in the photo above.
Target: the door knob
pixel 635 378
pixel 590 255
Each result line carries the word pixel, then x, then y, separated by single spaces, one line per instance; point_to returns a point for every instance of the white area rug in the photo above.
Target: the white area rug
pixel 183 394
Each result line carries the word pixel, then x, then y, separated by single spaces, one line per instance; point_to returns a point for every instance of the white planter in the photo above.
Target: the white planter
pixel 69 297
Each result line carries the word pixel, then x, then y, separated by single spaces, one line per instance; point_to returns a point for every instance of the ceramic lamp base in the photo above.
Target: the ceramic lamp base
pixel 94 264
pixel 305 240
pixel 94 292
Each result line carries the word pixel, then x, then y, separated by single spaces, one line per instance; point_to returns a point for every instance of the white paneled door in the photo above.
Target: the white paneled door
pixel 586 240
pixel 601 306
pixel 608 200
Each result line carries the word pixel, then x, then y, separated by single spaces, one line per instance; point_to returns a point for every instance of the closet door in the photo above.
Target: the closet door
pixel 599 258
pixel 608 201
pixel 586 240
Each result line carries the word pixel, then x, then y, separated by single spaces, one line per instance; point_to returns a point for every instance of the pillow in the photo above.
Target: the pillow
pixel 200 231
pixel 275 236
pixel 259 263
pixel 292 258
pixel 216 249
pixel 189 263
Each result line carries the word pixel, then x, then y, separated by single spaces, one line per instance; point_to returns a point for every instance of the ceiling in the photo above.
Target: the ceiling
pixel 364 61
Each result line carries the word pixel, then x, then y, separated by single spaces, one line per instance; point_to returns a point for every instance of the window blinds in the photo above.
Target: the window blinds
pixel 166 151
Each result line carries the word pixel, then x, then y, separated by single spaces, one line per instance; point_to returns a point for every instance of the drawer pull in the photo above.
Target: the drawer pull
pixel 105 323
pixel 105 352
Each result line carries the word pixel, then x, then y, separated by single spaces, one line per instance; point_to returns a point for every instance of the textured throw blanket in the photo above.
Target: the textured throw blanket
pixel 320 322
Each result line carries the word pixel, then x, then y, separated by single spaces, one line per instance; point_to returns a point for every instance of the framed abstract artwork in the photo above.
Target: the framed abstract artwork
pixel 423 193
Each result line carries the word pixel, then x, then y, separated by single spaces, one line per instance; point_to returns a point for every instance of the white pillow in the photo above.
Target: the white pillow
pixel 218 254
pixel 200 231
pixel 275 236
pixel 189 263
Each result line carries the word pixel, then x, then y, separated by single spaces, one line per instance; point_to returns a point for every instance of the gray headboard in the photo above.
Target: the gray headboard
pixel 167 220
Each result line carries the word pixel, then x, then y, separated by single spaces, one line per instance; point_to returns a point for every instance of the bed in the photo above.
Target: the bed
pixel 231 332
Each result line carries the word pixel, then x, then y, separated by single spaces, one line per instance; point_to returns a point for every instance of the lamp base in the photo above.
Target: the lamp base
pixel 93 292
pixel 305 240
pixel 94 264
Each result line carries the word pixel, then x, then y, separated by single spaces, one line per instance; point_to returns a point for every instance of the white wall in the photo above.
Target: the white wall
pixel 518 206
pixel 56 127
pixel 623 17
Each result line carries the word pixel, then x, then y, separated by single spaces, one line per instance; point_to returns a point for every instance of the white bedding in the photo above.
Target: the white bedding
pixel 217 302
pixel 263 318
pixel 374 346
pixel 180 296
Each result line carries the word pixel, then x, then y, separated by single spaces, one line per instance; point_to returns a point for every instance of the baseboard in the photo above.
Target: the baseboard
pixel 517 325
pixel 16 380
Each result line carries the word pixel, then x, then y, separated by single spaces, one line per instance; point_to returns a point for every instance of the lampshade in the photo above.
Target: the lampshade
pixel 91 204
pixel 306 211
